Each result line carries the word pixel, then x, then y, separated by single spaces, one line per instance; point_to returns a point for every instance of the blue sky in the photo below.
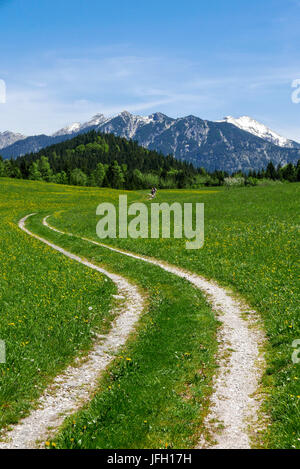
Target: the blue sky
pixel 64 61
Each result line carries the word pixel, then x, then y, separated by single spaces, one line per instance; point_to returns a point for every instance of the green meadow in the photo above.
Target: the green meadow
pixel 156 392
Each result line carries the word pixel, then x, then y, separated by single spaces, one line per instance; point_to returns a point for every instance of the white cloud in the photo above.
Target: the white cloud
pixel 52 90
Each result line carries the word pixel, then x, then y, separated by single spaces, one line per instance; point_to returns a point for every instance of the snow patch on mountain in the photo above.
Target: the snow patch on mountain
pixel 259 130
pixel 132 122
pixel 77 126
pixel 70 129
pixel 96 120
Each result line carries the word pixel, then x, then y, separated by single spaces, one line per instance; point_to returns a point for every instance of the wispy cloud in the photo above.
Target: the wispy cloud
pixel 51 90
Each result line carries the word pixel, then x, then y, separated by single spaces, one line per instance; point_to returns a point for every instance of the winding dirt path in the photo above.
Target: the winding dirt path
pixel 74 387
pixel 235 402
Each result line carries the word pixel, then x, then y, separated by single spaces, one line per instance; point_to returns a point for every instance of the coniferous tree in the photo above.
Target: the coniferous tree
pixel 271 172
pixel 114 176
pixel 1 167
pixel 289 172
pixel 298 171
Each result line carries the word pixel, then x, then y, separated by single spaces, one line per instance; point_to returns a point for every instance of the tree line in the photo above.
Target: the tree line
pixel 104 160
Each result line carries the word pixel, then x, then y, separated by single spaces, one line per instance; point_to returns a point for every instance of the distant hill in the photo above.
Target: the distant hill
pixel 86 150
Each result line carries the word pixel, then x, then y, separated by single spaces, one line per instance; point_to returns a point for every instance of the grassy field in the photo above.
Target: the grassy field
pixel 156 395
pixel 157 398
pixel 45 302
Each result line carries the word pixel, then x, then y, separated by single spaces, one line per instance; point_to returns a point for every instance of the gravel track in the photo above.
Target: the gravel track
pixel 74 386
pixel 235 403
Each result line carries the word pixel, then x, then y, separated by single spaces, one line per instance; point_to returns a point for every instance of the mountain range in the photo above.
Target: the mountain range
pixel 230 144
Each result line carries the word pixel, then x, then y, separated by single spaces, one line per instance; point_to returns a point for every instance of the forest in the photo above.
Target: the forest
pixel 104 160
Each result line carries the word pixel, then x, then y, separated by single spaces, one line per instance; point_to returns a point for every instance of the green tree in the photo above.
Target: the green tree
pixel 11 170
pixel 99 174
pixel 80 148
pixel 61 178
pixel 137 179
pixel 34 172
pixel 44 168
pixel 271 172
pixel 298 171
pixel 1 167
pixel 115 176
pixel 289 172
pixel 78 178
